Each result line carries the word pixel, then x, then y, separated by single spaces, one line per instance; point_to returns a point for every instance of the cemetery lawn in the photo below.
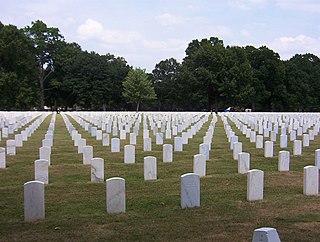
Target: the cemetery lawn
pixel 76 208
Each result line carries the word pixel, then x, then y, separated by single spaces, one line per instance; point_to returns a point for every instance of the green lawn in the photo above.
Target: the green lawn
pixel 76 208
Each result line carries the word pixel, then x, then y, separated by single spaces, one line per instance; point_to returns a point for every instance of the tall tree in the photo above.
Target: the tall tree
pixel 137 87
pixel 205 60
pixel 165 83
pixel 18 71
pixel 45 41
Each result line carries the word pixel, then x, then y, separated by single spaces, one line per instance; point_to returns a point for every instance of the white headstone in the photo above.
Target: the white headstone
pixel 255 185
pixel 305 140
pixel 259 142
pixel 283 141
pixel 34 207
pixel 297 147
pixel 243 163
pixel 2 157
pixel 268 149
pixel 199 165
pixel 317 158
pixel 159 138
pixel 147 144
pixel 253 135
pixel 237 148
pixel 115 145
pixel 150 168
pixel 48 142
pixel 133 138
pixel 41 170
pixel 129 154
pixel 284 161
pixel 87 154
pixel 167 153
pixel 105 139
pixel 310 180
pixel 190 190
pixel 123 134
pixel 45 154
pixel 11 147
pixel 19 140
pixel 99 135
pixel 204 150
pixel 178 146
pixel 116 195
pixel 81 144
pixel 265 235
pixel 97 170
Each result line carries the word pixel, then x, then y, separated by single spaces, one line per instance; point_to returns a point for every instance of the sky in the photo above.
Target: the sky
pixel 145 32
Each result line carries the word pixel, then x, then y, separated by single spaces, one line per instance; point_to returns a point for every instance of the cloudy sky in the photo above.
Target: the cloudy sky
pixel 145 32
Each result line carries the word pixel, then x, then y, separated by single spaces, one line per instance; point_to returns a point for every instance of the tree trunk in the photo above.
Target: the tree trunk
pixel 41 87
pixel 137 108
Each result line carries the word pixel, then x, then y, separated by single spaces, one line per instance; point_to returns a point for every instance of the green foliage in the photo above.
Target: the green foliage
pixel 137 87
pixel 18 71
pixel 45 41
pixel 165 83
pixel 37 62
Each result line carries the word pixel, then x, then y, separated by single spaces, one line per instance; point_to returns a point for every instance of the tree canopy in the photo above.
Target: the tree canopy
pixel 137 87
pixel 39 68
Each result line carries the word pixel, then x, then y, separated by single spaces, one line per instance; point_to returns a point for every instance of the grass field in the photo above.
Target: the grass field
pixel 76 208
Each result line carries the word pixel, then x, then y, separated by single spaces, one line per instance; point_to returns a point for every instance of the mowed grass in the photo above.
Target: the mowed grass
pixel 76 208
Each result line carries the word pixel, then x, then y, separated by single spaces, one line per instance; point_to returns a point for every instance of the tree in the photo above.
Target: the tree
pixel 137 87
pixel 165 83
pixel 45 41
pixel 18 71
pixel 205 61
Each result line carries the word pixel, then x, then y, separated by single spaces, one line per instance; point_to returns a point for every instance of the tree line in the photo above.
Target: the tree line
pixel 39 68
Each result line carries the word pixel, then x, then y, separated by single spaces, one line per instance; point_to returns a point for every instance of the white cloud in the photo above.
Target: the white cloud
pixel 168 19
pixel 90 29
pixel 245 33
pixel 300 44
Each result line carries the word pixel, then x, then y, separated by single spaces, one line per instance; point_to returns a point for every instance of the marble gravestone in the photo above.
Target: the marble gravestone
pixel 268 149
pixel 167 153
pixel 190 190
pixel 255 185
pixel 87 154
pixel 259 142
pixel 115 195
pixel 199 165
pixel 178 146
pixel 316 158
pixel 81 144
pixel 284 160
pixel 41 171
pixel 159 138
pixel 310 180
pixel 115 145
pixel 265 234
pixel 34 206
pixel 97 170
pixel 204 150
pixel 45 153
pixel 11 147
pixel 2 157
pixel 129 154
pixel 147 144
pixel 243 163
pixel 237 148
pixel 150 168
pixel 105 139
pixel 297 147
